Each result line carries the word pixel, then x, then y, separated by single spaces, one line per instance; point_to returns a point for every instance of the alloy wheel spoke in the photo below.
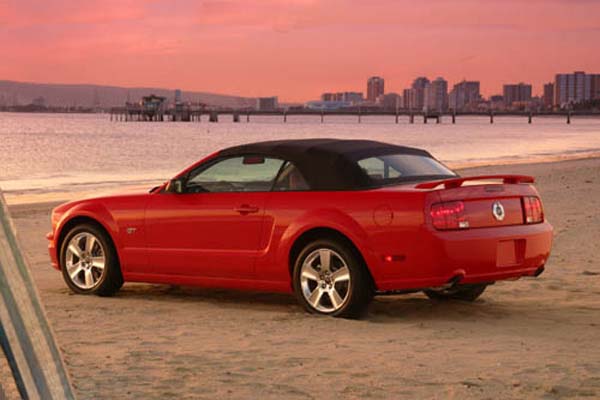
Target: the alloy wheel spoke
pixel 74 249
pixel 89 243
pixel 89 278
pixel 325 258
pixel 310 273
pixel 336 299
pixel 75 270
pixel 98 262
pixel 341 275
pixel 315 297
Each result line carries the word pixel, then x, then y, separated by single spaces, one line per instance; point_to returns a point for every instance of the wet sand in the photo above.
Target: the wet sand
pixel 533 338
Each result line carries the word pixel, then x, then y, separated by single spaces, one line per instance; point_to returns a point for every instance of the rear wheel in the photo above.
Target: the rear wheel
pixel 460 292
pixel 89 261
pixel 330 279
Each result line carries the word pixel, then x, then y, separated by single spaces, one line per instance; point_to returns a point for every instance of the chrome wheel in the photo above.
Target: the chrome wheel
pixel 85 260
pixel 325 280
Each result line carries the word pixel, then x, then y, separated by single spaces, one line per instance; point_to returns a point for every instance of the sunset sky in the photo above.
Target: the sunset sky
pixel 296 49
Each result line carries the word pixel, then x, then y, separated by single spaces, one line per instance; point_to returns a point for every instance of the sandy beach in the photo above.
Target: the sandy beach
pixel 533 338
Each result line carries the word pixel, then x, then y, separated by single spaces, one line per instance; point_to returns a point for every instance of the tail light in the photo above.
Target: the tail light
pixel 532 210
pixel 450 215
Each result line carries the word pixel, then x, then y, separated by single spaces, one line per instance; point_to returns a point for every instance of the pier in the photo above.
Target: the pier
pixel 153 109
pixel 199 113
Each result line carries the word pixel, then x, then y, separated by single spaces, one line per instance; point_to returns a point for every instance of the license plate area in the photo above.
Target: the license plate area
pixel 510 252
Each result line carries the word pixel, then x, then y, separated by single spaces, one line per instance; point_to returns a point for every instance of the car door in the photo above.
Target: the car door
pixel 212 228
pixel 289 199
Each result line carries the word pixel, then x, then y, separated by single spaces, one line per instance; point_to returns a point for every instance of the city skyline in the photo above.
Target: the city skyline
pixel 356 95
pixel 576 88
pixel 298 48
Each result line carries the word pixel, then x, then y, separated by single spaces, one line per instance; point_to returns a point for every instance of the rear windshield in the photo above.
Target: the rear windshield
pixel 399 168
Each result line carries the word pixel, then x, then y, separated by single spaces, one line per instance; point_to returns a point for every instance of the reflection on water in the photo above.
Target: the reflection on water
pixel 41 153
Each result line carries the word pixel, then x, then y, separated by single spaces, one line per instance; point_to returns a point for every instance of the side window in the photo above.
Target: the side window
pixel 290 179
pixel 377 168
pixel 236 174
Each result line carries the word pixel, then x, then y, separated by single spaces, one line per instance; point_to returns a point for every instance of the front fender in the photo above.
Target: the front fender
pixel 96 211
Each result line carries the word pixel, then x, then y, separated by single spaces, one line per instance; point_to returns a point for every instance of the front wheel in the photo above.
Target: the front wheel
pixel 89 262
pixel 460 292
pixel 330 279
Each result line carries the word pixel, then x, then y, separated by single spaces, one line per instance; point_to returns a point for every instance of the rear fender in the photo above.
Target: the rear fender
pixel 330 219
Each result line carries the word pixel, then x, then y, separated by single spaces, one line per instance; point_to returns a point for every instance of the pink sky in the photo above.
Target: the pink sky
pixel 296 49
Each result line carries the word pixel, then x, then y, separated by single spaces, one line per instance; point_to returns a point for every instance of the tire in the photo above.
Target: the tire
pixel 80 265
pixel 316 286
pixel 461 292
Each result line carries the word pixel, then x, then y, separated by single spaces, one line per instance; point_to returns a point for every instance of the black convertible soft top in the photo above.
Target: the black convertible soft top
pixel 326 164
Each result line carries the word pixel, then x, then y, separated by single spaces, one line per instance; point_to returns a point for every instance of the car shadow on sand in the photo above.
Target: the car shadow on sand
pixel 383 309
pixel 175 293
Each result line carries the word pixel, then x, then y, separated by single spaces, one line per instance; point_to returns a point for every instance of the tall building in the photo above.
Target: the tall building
pixel 177 96
pixel 548 98
pixel 375 88
pixel 406 96
pixel 575 88
pixel 464 96
pixel 517 93
pixel 417 94
pixel 436 95
pixel 267 103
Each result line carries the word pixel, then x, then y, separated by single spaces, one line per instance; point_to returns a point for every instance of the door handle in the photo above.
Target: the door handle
pixel 246 209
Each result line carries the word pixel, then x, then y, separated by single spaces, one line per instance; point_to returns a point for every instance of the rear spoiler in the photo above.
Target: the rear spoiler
pixel 457 182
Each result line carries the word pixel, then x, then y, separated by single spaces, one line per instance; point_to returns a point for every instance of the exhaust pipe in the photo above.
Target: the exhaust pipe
pixel 452 282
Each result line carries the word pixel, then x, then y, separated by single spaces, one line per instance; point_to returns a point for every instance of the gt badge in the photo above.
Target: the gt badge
pixel 498 211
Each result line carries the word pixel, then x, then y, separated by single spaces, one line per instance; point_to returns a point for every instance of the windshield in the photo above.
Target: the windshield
pixel 398 168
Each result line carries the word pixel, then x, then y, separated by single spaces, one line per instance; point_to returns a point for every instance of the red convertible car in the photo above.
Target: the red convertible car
pixel 333 221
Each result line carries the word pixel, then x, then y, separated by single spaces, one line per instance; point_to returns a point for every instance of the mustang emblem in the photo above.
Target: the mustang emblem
pixel 498 211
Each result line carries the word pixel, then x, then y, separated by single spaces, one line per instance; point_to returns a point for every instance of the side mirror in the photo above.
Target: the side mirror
pixel 175 186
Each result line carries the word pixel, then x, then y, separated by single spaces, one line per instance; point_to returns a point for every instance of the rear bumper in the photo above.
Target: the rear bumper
pixel 477 256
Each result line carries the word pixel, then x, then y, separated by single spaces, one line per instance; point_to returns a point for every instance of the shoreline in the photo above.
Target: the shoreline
pixel 542 159
pixel 41 196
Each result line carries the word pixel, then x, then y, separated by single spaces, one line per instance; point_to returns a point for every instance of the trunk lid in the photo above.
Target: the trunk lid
pixel 487 201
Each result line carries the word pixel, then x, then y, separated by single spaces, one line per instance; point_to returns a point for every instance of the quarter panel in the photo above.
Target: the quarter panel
pixel 289 214
pixel 378 222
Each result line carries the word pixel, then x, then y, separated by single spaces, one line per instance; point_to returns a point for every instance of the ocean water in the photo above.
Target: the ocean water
pixel 62 153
